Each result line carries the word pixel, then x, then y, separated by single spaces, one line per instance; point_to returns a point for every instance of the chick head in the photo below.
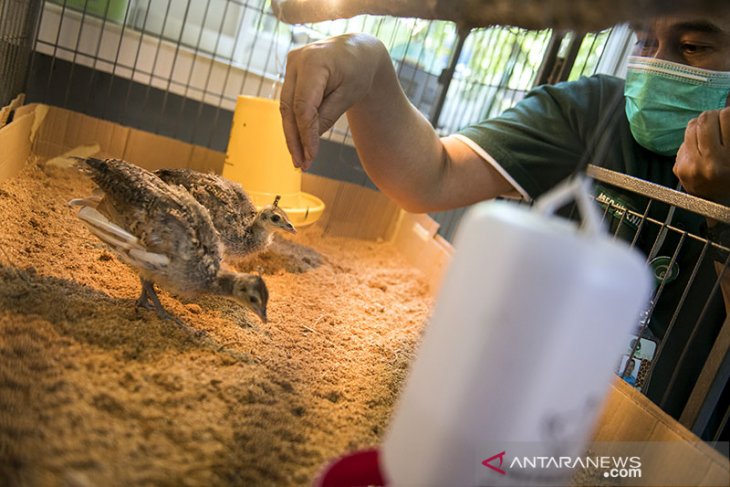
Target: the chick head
pixel 250 291
pixel 276 218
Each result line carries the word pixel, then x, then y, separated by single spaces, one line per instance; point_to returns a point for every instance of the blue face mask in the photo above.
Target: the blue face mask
pixel 662 97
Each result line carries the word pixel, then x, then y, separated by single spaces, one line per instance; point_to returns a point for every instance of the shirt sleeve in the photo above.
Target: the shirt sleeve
pixel 545 137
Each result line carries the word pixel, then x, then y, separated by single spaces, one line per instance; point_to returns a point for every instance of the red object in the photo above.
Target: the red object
pixel 357 469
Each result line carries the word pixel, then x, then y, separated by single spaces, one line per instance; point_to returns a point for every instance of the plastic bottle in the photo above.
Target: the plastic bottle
pixel 520 350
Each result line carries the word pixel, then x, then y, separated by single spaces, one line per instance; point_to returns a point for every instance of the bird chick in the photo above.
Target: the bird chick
pixel 244 231
pixel 162 232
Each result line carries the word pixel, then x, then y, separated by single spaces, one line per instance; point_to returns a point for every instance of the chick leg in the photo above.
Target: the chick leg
pixel 148 293
pixel 143 300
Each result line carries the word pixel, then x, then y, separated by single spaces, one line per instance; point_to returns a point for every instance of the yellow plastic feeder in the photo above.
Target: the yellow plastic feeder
pixel 257 158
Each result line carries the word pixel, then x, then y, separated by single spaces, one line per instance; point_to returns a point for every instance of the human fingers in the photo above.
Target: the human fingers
pixel 688 152
pixel 709 136
pixel 725 126
pixel 329 77
pixel 312 81
pixel 291 132
pixel 691 143
pixel 704 171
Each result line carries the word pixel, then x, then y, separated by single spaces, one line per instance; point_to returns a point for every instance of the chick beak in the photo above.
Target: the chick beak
pixel 261 313
pixel 291 229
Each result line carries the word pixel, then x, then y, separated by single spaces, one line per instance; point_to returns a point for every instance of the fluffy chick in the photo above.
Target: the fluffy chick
pixel 162 232
pixel 244 231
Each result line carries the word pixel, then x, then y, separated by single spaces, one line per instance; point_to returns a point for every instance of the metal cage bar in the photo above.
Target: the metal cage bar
pixel 705 408
pixel 18 23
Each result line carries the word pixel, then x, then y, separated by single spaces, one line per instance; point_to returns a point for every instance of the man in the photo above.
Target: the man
pixel 668 125
pixel 628 372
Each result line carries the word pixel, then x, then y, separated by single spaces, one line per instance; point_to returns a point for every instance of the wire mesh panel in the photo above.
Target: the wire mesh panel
pixel 679 356
pixel 497 67
pixel 18 20
pixel 176 67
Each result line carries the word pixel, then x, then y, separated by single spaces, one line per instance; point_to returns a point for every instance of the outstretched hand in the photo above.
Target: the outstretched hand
pixel 323 80
pixel 703 160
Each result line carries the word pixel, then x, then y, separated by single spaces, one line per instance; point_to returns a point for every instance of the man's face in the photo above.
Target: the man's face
pixel 696 41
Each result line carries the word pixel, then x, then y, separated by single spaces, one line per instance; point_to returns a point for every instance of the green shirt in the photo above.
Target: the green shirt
pixel 558 129
pixel 542 139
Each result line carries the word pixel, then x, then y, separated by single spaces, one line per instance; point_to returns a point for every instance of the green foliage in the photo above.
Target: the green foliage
pixel 589 54
pixel 497 65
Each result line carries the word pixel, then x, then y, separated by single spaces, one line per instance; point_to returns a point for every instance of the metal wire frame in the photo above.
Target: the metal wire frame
pixel 708 398
pixel 83 38
pixel 158 71
pixel 18 22
pixel 471 98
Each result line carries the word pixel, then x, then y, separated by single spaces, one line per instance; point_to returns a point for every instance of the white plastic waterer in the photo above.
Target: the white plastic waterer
pixel 533 313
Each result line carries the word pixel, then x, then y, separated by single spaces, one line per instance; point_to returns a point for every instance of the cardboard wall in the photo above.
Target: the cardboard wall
pixel 671 449
pixel 63 130
pixel 15 138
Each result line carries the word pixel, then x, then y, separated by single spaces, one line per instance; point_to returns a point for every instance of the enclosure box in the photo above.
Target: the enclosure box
pixel 355 212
